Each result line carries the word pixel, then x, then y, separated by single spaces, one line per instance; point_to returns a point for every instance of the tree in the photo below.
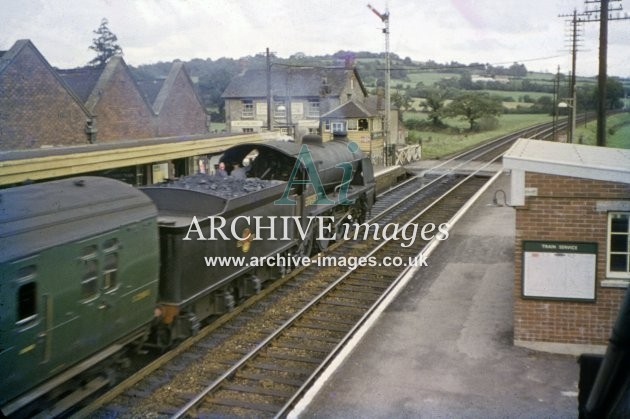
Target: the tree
pixel 402 101
pixel 434 105
pixel 104 44
pixel 614 93
pixel 472 106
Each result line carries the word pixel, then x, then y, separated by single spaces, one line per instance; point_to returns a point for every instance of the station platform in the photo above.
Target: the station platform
pixel 444 347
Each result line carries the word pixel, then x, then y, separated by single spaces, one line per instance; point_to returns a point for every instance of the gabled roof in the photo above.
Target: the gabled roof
pixel 169 84
pixel 81 80
pixel 104 78
pixel 150 88
pixel 351 109
pixel 8 56
pixel 291 81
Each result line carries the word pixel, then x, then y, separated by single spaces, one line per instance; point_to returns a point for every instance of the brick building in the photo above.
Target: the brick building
pixel 298 96
pixel 45 107
pixel 37 109
pixel 177 106
pixel 572 243
pixel 111 94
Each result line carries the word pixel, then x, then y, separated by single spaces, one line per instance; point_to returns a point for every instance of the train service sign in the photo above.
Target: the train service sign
pixel 559 270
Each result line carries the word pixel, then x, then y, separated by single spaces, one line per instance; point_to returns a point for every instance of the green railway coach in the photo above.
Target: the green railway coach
pixel 79 266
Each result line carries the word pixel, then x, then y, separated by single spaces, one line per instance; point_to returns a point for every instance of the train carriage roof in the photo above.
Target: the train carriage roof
pixel 42 215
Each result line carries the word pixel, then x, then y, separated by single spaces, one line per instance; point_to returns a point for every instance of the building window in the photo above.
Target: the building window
pixel 312 110
pixel 338 126
pixel 280 110
pixel 27 294
pixel 248 130
pixel 363 124
pixel 618 255
pixel 247 111
pixel 353 125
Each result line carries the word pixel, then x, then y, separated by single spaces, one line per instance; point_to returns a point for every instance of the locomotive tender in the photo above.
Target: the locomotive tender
pixel 90 265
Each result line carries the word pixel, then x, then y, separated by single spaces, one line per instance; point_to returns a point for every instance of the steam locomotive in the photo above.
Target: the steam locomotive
pixel 90 266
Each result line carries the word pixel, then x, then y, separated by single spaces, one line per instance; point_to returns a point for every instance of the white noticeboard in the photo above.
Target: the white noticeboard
pixel 559 270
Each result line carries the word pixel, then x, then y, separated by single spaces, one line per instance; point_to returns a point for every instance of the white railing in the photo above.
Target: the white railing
pixel 408 154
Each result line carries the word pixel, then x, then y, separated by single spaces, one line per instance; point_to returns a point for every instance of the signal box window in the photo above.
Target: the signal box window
pixel 248 109
pixel 618 263
pixel 27 295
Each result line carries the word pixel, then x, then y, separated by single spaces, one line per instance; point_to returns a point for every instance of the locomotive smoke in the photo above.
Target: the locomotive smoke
pixel 219 229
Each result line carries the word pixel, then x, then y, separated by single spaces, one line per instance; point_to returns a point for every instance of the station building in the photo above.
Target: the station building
pixel 572 251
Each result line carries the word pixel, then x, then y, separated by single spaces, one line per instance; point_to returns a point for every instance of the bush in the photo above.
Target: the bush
pixel 418 124
pixel 488 123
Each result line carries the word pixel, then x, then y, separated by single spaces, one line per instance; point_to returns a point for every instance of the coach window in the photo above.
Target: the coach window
pixel 110 279
pixel 89 280
pixel 618 255
pixel 26 295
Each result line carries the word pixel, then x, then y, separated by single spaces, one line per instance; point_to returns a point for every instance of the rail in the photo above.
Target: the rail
pixel 364 293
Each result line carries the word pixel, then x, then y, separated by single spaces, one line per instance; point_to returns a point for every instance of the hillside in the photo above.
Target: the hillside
pixel 518 88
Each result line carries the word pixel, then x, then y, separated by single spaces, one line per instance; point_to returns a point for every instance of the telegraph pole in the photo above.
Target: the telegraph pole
pixel 268 91
pixel 602 15
pixel 386 134
pixel 572 105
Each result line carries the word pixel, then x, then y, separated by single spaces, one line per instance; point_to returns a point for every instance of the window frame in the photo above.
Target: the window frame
pixel 335 124
pixel 609 252
pixel 26 277
pixel 247 109
pixel 312 109
pixel 111 265
pixel 90 268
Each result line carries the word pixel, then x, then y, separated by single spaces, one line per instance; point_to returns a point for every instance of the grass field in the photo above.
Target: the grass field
pixel 438 144
pixel 617 135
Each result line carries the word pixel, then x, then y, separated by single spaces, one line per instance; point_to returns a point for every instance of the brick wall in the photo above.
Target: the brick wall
pixel 121 112
pixel 35 108
pixel 182 114
pixel 565 210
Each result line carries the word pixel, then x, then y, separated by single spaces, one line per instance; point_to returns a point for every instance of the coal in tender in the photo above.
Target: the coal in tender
pixel 224 187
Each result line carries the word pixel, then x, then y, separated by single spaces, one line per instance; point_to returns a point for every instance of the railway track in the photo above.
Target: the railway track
pixel 260 362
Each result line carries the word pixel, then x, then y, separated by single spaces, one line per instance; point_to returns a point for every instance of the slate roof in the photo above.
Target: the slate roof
pixel 81 80
pixel 285 81
pixel 351 109
pixel 369 107
pixel 150 88
pixel 7 57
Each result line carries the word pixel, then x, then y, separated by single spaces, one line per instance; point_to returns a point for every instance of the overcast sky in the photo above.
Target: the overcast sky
pixel 498 32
